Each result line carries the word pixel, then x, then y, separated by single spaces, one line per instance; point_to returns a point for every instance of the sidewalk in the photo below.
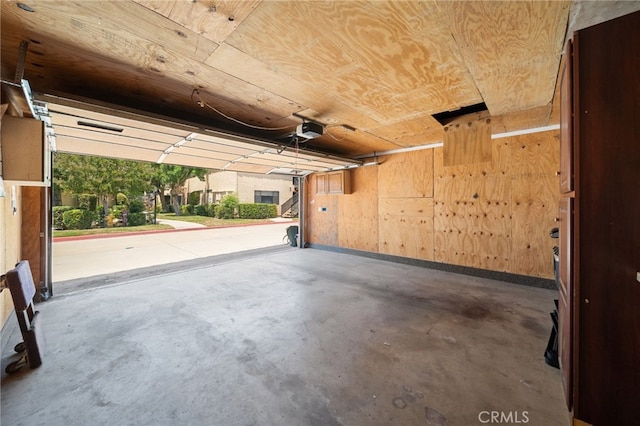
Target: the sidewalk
pixel 179 224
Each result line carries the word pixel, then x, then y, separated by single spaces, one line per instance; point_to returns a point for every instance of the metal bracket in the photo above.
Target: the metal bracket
pixel 40 111
pixel 22 58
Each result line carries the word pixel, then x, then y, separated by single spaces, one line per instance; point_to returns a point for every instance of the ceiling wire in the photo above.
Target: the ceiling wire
pixel 329 133
pixel 296 159
pixel 202 103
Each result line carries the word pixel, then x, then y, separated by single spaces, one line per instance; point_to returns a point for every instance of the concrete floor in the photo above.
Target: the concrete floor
pixel 291 337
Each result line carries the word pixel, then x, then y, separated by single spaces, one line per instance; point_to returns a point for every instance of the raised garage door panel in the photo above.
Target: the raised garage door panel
pixel 23 149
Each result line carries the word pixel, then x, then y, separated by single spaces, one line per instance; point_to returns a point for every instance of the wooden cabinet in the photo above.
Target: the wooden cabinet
pixel 566 123
pixel 599 339
pixel 338 182
pixel 321 183
pixel 565 281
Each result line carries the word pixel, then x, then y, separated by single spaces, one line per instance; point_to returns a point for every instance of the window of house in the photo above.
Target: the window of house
pixel 267 197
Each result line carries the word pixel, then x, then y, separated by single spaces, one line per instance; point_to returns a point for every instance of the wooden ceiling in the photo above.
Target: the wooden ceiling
pixel 374 72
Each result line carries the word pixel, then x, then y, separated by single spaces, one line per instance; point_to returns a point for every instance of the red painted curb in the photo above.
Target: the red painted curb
pixel 159 231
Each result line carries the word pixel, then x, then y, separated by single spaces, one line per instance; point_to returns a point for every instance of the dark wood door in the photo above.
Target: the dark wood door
pixel 607 222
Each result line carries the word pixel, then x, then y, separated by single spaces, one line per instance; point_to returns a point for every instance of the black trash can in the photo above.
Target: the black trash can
pixel 292 235
pixel 551 353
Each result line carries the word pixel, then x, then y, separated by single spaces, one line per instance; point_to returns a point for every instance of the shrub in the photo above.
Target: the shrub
pixel 77 219
pixel 121 198
pixel 57 212
pixel 200 210
pixel 117 210
pixel 194 198
pixel 186 209
pixel 227 207
pixel 88 201
pixel 257 211
pixel 205 210
pixel 136 219
pixel 136 206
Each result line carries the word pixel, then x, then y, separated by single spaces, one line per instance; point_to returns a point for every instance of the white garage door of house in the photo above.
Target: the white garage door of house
pixel 90 129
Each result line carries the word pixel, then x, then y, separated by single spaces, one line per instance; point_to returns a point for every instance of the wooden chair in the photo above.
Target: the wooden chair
pixel 20 283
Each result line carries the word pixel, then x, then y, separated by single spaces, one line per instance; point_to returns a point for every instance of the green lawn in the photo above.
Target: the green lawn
pixel 211 222
pixel 114 230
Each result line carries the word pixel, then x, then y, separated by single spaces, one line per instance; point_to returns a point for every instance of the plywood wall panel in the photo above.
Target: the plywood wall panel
pixel 406 227
pixel 535 155
pixel 408 175
pixel 467 141
pixel 321 225
pixel 9 243
pixel 534 207
pixel 500 164
pixel 497 215
pixel 30 230
pixel 534 204
pixel 494 215
pixel 358 211
pixel 473 221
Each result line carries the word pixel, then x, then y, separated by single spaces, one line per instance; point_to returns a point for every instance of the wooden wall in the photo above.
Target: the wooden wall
pixel 493 215
pixel 405 204
pixel 32 225
pixel 9 245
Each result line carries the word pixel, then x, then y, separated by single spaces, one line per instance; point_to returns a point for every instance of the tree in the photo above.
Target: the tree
pixel 174 177
pixel 101 176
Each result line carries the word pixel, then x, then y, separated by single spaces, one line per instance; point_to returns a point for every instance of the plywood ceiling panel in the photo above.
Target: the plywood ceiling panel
pixel 111 28
pixel 523 43
pixel 214 19
pixel 369 56
pixel 420 130
pixel 380 67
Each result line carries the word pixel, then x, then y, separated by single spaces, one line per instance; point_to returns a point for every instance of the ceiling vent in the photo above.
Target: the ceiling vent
pixel 447 117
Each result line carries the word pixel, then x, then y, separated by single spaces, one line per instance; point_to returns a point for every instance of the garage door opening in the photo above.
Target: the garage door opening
pixel 111 216
pixel 261 175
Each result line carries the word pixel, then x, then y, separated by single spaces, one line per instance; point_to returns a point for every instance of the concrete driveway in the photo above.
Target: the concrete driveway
pixel 88 257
